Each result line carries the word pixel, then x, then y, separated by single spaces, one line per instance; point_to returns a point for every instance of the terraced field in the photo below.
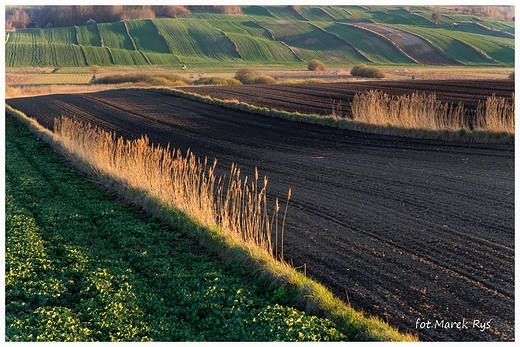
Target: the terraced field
pixel 413 231
pixel 413 46
pixel 277 34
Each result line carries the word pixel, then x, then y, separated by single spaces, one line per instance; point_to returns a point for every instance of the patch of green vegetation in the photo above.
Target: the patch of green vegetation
pixel 97 55
pixel 256 11
pixel 83 267
pixel 126 57
pixel 288 13
pixel 23 54
pixel 144 33
pixel 115 36
pixel 340 13
pixel 189 37
pixel 465 47
pixel 373 46
pixel 62 36
pixel 253 42
pixel 88 35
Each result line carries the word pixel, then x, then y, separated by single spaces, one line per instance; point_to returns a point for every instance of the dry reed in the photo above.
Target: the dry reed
pixel 182 182
pixel 496 115
pixel 34 90
pixel 421 111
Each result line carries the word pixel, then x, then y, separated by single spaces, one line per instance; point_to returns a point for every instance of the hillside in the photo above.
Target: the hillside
pixel 285 35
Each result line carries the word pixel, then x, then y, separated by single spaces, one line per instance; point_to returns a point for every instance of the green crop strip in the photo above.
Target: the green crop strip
pixel 82 267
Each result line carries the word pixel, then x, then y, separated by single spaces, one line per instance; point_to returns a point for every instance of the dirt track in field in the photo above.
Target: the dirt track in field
pixel 412 230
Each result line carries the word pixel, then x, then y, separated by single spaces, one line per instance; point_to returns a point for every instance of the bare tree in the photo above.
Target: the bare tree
pixel 436 16
pixel 16 18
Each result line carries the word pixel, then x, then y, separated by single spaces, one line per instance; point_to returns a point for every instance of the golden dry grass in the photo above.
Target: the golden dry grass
pixel 496 115
pixel 28 90
pixel 182 182
pixel 425 112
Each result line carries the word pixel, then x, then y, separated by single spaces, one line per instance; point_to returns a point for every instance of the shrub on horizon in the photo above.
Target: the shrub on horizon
pixel 316 65
pixel 250 76
pixel 262 79
pixel 245 74
pixel 216 81
pixel 363 70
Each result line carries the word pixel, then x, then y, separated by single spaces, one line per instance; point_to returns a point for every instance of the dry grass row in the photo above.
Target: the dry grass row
pixel 184 183
pixel 30 90
pixel 421 111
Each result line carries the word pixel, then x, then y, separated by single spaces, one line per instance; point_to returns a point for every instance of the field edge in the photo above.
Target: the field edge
pixel 475 136
pixel 306 294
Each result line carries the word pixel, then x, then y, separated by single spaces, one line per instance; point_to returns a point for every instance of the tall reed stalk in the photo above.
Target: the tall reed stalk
pixel 496 114
pixel 421 111
pixel 183 182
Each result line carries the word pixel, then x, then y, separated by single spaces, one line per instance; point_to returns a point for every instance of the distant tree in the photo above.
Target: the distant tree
pixel 229 9
pixel 16 18
pixel 436 16
pixel 171 11
pixel 51 14
pixel 130 12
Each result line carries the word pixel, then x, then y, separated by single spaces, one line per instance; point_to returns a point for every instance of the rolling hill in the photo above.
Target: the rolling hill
pixel 274 34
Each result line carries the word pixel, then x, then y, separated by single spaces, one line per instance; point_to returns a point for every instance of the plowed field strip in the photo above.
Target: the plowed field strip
pixel 409 228
pixel 320 98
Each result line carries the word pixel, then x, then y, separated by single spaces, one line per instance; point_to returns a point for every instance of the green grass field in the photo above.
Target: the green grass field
pixel 465 46
pixel 265 35
pixel 88 35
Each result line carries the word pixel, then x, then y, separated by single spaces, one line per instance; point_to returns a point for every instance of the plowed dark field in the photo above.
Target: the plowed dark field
pixel 320 98
pixel 413 231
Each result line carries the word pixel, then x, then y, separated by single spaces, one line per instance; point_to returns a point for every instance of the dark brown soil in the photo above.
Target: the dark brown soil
pixel 413 231
pixel 321 98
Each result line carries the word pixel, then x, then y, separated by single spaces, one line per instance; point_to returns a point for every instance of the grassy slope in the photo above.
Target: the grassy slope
pixel 248 38
pixel 82 267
